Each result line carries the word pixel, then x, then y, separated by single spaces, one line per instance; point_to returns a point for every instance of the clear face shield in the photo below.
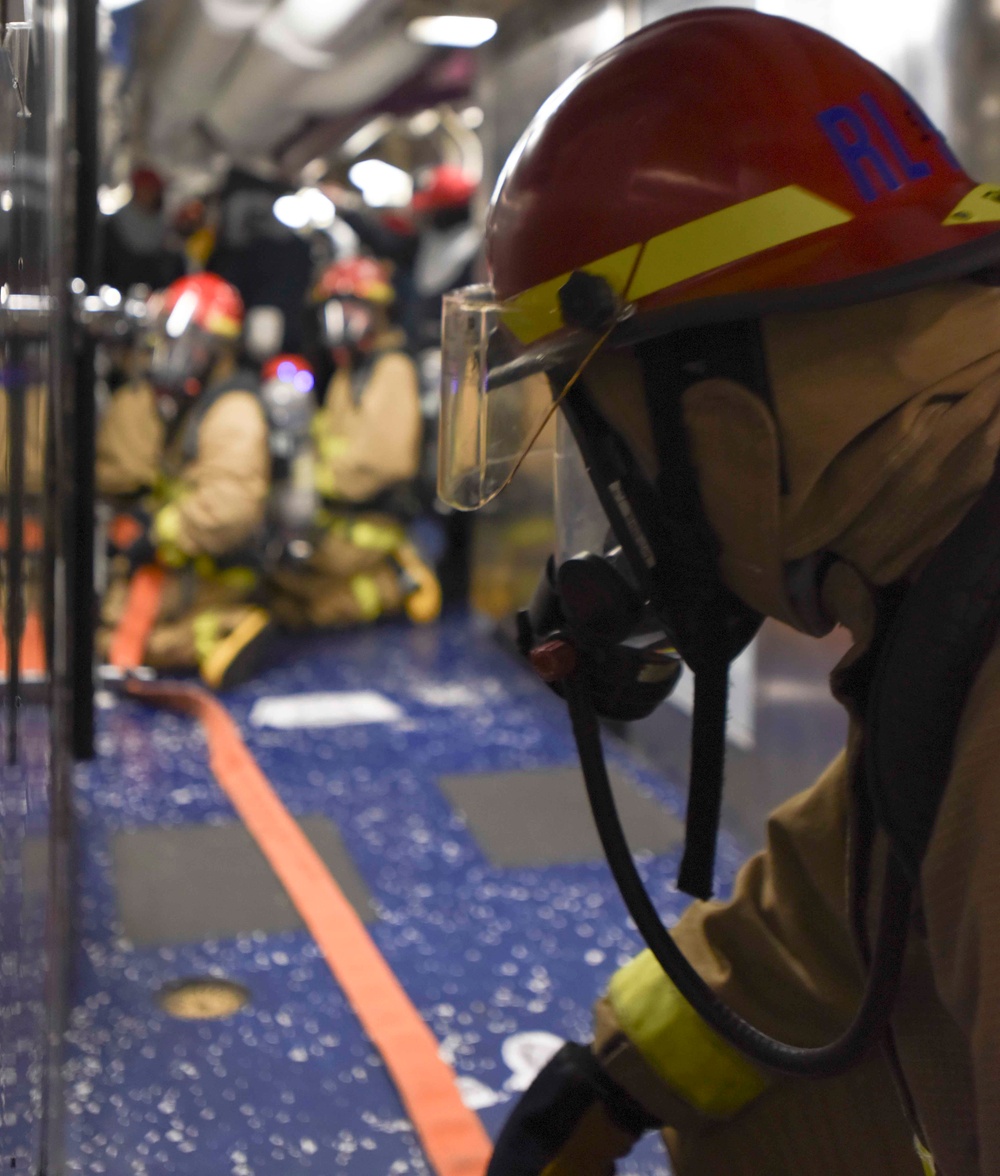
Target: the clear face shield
pixel 582 524
pixel 346 322
pixel 181 352
pixel 496 398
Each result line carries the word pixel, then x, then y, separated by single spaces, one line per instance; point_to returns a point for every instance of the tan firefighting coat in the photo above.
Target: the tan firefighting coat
pixel 367 438
pixel 207 504
pixel 887 420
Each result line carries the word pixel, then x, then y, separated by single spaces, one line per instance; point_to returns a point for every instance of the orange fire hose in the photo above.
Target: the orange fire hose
pixel 453 1137
pixel 128 645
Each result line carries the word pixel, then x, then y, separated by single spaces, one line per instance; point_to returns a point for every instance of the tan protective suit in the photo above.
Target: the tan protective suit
pixel 208 502
pixel 367 441
pixel 889 421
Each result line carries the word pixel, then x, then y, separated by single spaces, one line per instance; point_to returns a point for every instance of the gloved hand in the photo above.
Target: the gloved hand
pixel 130 537
pixel 573 1120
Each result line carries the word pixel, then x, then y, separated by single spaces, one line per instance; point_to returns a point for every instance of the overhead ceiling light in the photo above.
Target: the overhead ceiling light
pixel 464 32
pixel 320 208
pixel 381 184
pixel 472 117
pixel 307 208
pixel 291 210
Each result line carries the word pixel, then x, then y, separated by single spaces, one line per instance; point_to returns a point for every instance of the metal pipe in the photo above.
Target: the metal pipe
pixel 80 549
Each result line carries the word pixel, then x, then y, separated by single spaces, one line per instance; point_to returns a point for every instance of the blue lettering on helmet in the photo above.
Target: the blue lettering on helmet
pixel 913 169
pixel 863 160
pixel 916 115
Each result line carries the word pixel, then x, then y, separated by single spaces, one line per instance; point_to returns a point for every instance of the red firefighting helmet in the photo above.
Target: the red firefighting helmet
pixel 194 320
pixel 290 369
pixel 363 278
pixel 205 301
pixel 144 179
pixel 445 186
pixel 719 165
pixel 723 163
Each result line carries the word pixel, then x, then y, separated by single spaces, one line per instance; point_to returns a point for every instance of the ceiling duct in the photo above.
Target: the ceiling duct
pixel 298 64
pixel 208 40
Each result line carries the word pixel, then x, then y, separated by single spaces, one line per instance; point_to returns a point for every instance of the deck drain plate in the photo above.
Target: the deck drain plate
pixel 203 999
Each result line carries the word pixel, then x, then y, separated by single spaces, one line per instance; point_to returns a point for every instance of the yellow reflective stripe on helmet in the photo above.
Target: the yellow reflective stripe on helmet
pixel 376 536
pixel 223 324
pixel 731 234
pixel 980 205
pixel 536 312
pixel 692 1059
pixel 366 594
pixel 925 1157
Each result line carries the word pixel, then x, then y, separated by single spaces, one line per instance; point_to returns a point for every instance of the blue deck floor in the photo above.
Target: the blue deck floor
pixel 290 1083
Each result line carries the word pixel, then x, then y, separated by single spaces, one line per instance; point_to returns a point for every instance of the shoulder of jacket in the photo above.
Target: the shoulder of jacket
pixel 396 364
pixel 232 403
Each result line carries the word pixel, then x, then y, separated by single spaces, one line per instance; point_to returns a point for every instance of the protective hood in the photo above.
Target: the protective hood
pixel 884 427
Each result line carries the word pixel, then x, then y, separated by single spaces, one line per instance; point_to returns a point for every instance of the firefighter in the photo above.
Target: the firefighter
pixel 185 458
pixel 765 294
pixel 367 440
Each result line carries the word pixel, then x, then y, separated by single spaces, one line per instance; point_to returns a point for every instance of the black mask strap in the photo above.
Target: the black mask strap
pixel 708 766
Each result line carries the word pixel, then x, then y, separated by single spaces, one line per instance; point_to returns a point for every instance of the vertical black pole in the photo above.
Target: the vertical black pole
pixel 80 548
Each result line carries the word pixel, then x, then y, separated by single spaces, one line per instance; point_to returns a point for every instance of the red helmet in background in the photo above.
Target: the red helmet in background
pixel 195 320
pixel 363 278
pixel 443 187
pixel 205 300
pixel 723 163
pixel 349 292
pixel 290 369
pixel 147 181
pixel 287 383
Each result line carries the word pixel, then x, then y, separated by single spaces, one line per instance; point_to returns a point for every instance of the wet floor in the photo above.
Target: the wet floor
pixel 501 951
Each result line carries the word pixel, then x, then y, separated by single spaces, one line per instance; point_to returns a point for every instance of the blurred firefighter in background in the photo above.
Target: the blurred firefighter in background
pixel 136 247
pixel 367 446
pixel 185 457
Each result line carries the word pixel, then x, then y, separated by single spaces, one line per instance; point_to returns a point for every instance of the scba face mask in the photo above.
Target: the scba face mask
pixel 347 323
pixel 588 614
pixel 179 365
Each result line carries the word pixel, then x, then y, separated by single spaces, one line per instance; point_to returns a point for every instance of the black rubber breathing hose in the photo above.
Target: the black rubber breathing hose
pixel 823 1061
